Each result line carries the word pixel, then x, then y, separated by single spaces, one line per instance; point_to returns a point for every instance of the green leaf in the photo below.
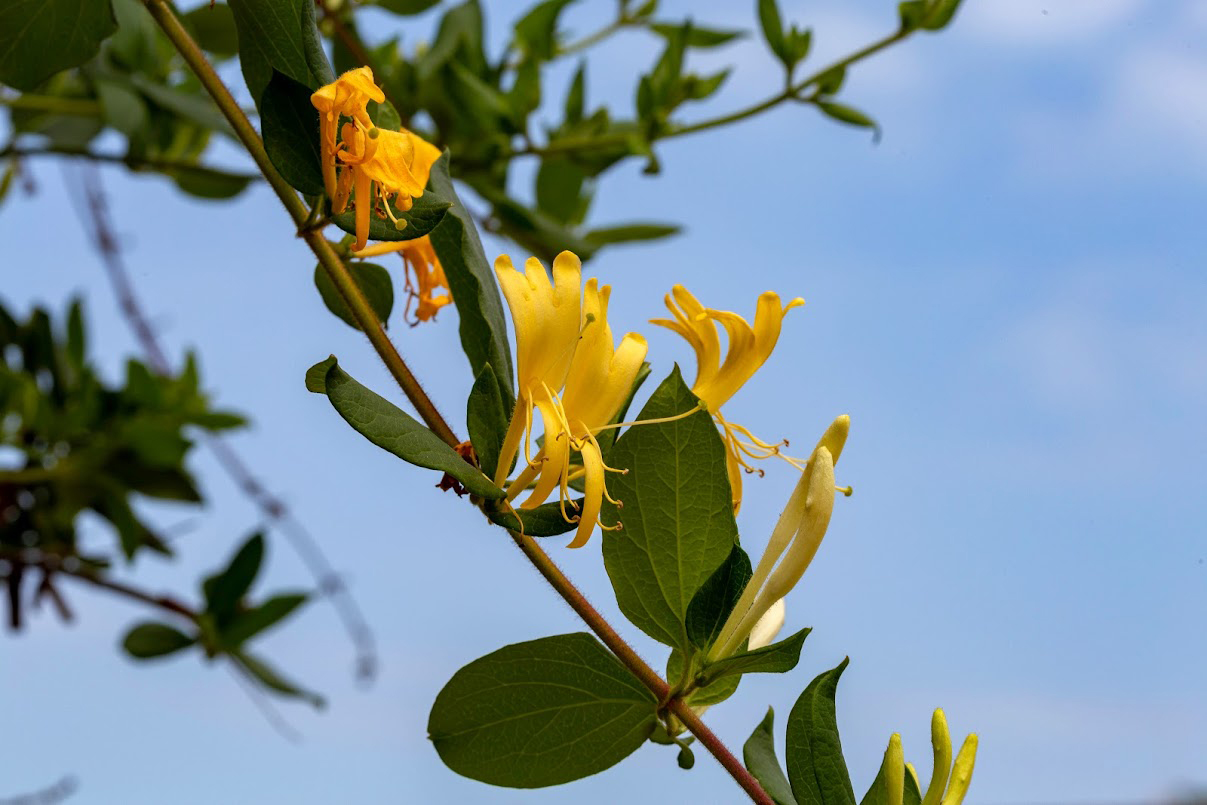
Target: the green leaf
pixel 698 37
pixel 392 429
pixel 940 14
pixel 472 281
pixel 696 88
pixel 773 28
pixel 877 794
pixel 541 713
pixel 630 233
pixel 280 35
pixel 576 95
pixel 813 751
pixel 373 281
pixel 912 13
pixel 290 125
pixel 193 107
pixel 41 37
pixel 406 8
pixel 268 676
pixel 678 513
pixel 536 31
pixel 716 598
pixel 213 26
pixel 829 82
pixel 708 694
pixel 209 183
pixel 427 212
pixel 316 376
pixel 545 520
pixel 759 754
pixel 150 639
pixel 776 658
pixel 848 114
pixel 247 625
pixel 559 190
pixel 124 109
pixel 486 418
pixel 224 590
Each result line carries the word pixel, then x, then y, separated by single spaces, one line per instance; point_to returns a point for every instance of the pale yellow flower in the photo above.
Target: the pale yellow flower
pixel 716 380
pixel 949 782
pixel 423 265
pixel 563 341
pixel 794 541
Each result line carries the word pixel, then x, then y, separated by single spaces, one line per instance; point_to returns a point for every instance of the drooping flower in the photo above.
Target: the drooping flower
pixel 555 351
pixel 421 262
pixel 794 541
pixel 717 380
pixel 367 164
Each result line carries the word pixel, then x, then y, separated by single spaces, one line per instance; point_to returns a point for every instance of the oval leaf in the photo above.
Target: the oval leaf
pixel 759 755
pixel 291 133
pixel 677 515
pixel 541 713
pixel 816 767
pixel 150 639
pixel 374 282
pixel 42 37
pixel 390 428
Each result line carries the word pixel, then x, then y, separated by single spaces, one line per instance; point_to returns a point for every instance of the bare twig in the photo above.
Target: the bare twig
pixel 95 216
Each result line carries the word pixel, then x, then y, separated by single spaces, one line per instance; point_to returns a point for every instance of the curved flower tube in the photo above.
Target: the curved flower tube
pixel 716 380
pixel 421 261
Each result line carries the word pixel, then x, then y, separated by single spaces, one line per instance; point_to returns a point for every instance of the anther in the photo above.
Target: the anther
pixel 847 491
pixel 373 132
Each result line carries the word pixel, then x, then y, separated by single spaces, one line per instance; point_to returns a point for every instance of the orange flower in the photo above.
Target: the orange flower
pixel 419 257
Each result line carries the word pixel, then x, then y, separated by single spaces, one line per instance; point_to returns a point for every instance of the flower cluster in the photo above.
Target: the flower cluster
pixel 364 164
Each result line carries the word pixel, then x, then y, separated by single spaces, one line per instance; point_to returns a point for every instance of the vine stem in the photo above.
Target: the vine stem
pixel 372 327
pixel 349 291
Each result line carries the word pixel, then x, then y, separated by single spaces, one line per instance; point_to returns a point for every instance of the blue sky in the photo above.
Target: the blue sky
pixel 1007 296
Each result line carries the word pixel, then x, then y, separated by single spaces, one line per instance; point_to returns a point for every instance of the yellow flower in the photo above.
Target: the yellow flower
pixel 717 381
pixel 794 541
pixel 420 258
pixel 369 162
pixel 952 778
pixel 563 341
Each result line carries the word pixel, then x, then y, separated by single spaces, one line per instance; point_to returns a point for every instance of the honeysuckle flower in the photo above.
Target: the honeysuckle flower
pixel 563 340
pixel 371 163
pixel 794 541
pixel 949 782
pixel 420 259
pixel 717 380
pixel 767 627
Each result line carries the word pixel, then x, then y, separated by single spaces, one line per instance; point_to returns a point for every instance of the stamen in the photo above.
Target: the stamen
pixel 700 406
pixel 847 491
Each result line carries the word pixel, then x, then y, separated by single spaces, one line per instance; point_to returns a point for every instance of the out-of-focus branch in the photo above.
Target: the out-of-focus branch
pixel 273 508
pixel 132 162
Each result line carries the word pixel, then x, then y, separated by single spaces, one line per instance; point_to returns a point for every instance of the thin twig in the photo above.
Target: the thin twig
pixel 302 542
pixel 131 162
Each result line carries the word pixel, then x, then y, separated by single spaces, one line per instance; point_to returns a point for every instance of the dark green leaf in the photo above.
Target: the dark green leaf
pixel 940 14
pixel 486 418
pixel 773 28
pixel 545 520
pixel 150 639
pixel 716 598
pixel 224 590
pixel 426 213
pixel 290 125
pixel 209 183
pixel 536 31
pixel 373 281
pixel 316 376
pixel 213 26
pixel 472 281
pixel 406 8
pixel 759 754
pixel 279 35
pixel 392 429
pixel 38 38
pixel 247 625
pixel 192 106
pixel 698 37
pixel 268 676
pixel 847 114
pixel 559 190
pixel 123 108
pixel 678 513
pixel 816 767
pixel 630 233
pixel 576 95
pixel 912 13
pixel 541 713
pixel 776 658
pixel 686 759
